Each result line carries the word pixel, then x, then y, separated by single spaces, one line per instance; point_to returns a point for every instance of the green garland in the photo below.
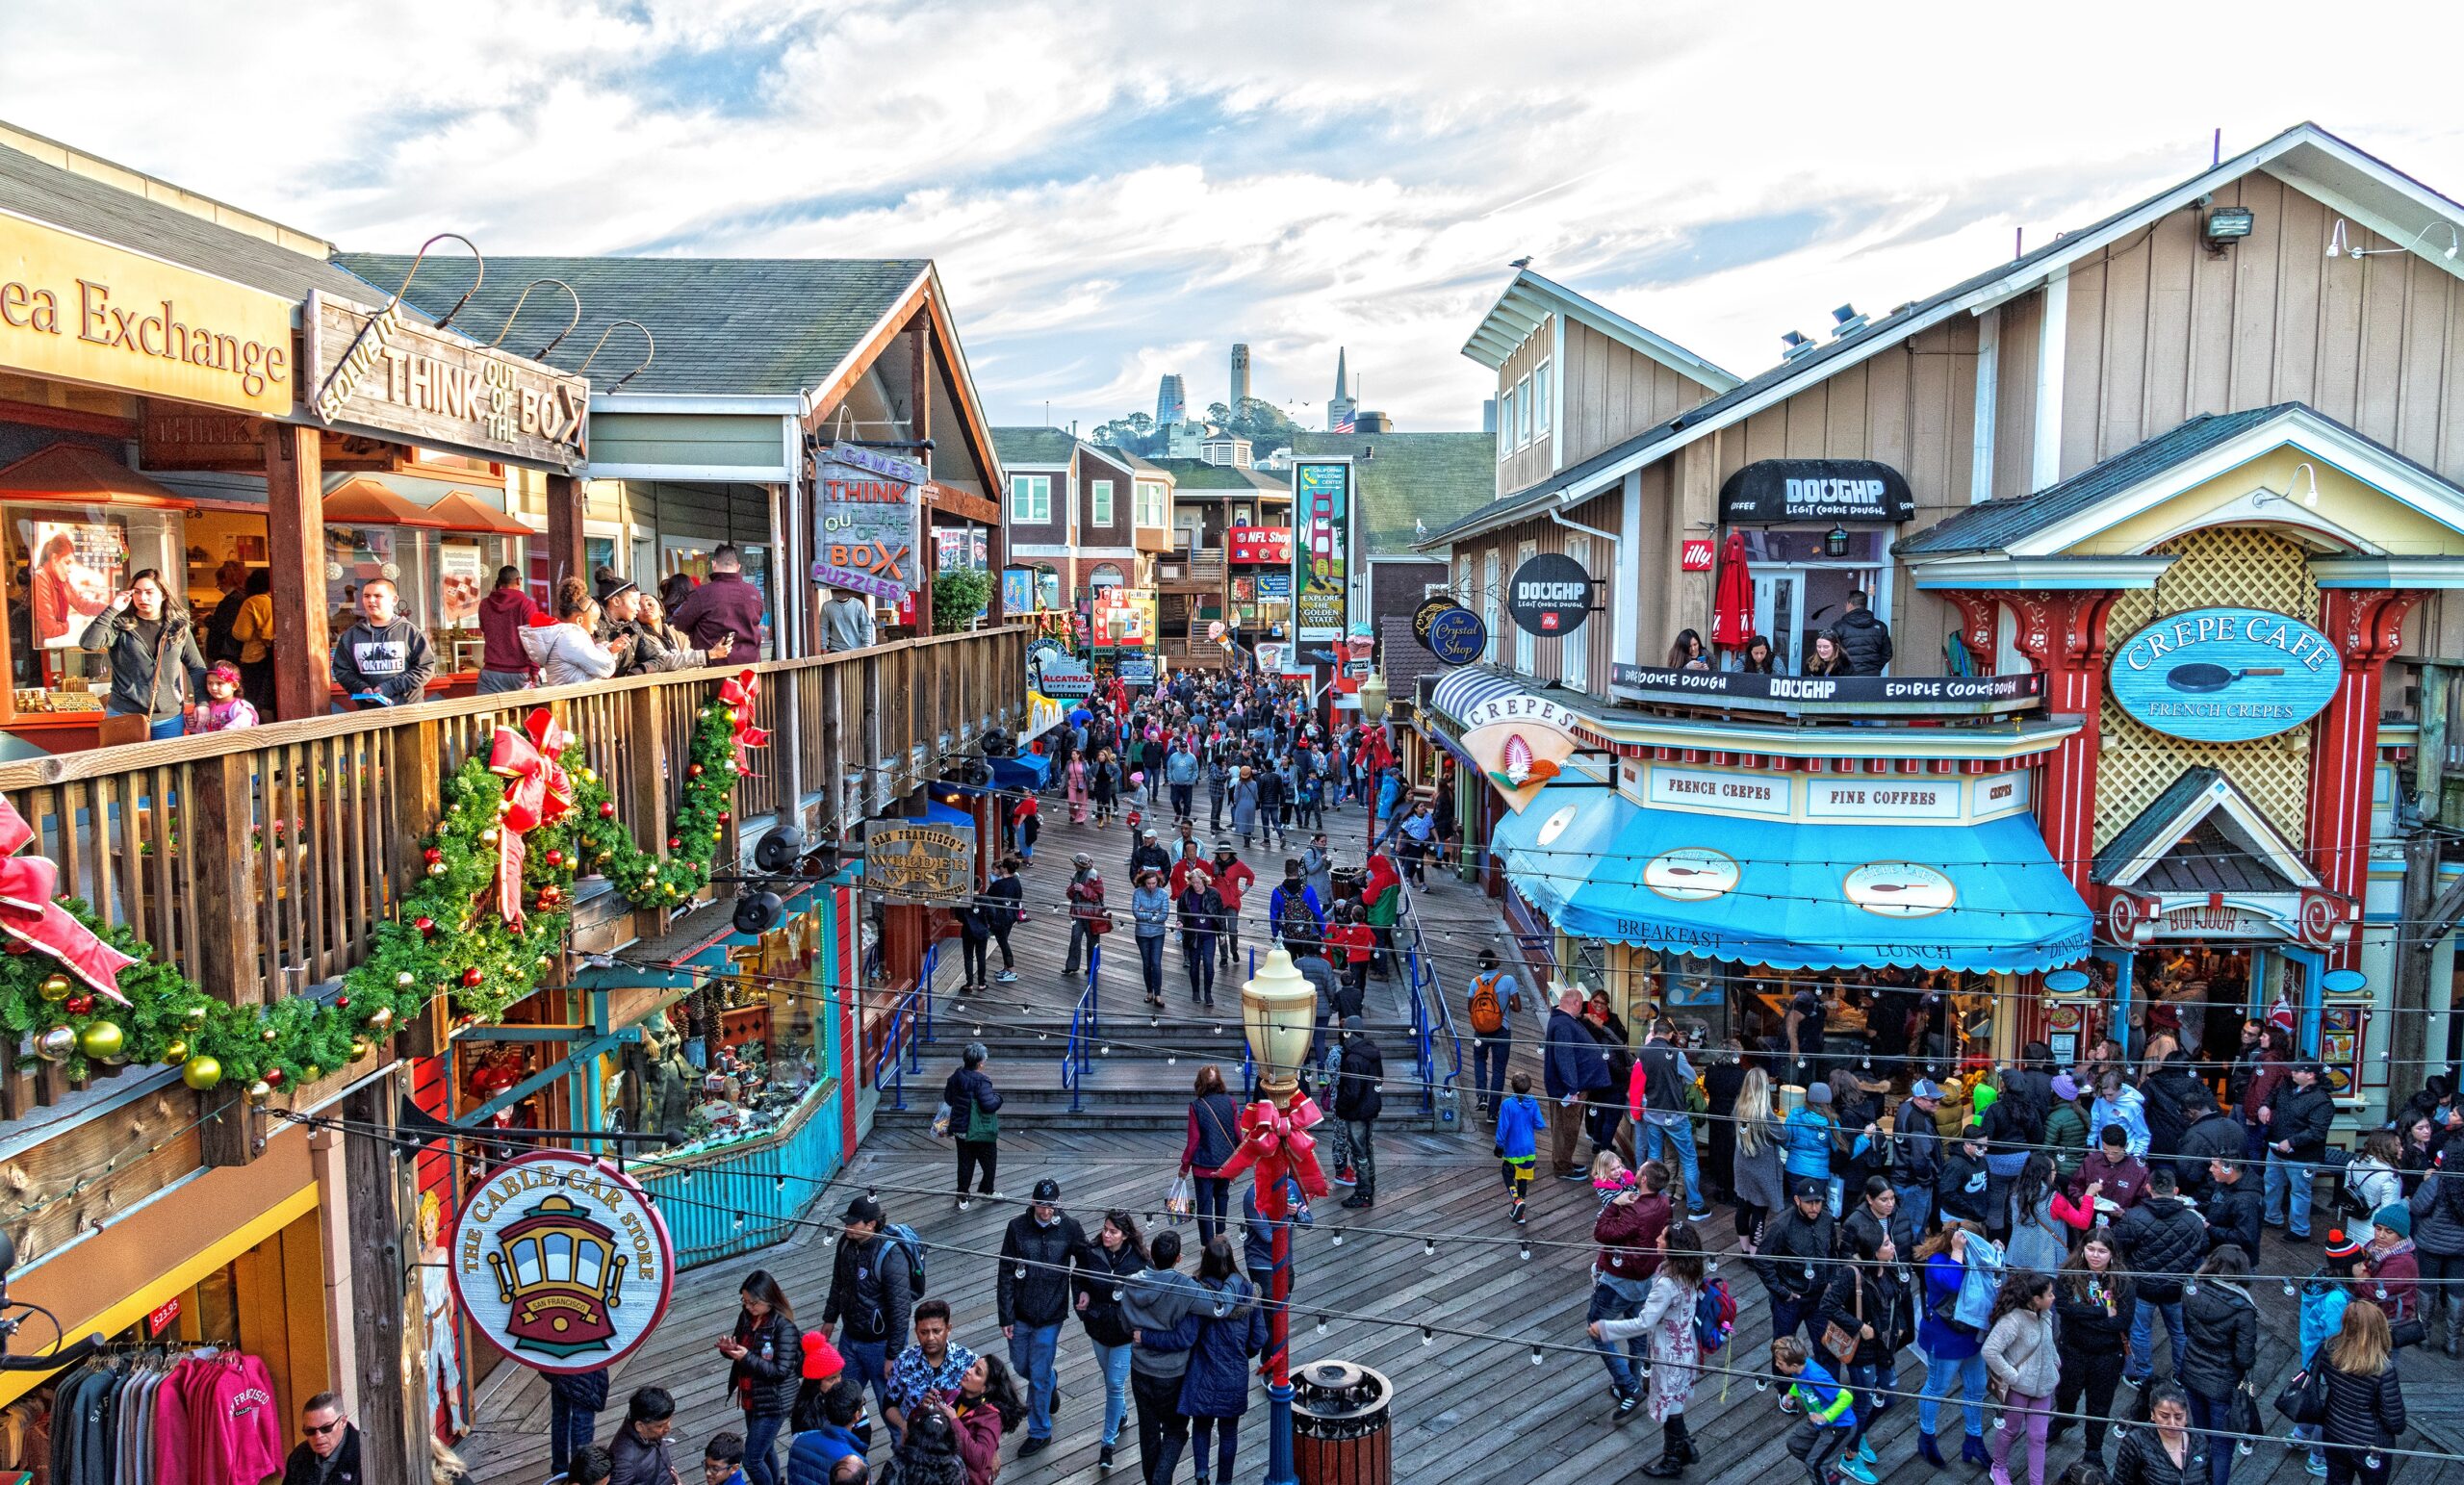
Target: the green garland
pixel 446 939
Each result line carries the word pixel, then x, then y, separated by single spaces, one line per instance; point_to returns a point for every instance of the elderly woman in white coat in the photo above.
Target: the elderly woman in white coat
pixel 1667 1319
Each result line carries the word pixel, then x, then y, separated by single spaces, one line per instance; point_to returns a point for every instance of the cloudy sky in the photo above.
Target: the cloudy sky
pixel 1118 190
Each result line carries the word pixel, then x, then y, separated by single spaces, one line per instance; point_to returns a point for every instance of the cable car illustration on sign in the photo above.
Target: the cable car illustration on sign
pixel 559 1272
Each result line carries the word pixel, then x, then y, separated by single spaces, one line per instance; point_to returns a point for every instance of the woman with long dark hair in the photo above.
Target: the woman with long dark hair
pixel 2093 1299
pixel 990 1403
pixel 1120 1252
pixel 2040 1239
pixel 764 1352
pixel 2024 1360
pixel 1688 647
pixel 156 669
pixel 2222 1325
pixel 1667 1318
pixel 1215 1392
pixel 1758 659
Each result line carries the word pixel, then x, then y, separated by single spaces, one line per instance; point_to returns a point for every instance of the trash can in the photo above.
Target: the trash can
pixel 1342 1425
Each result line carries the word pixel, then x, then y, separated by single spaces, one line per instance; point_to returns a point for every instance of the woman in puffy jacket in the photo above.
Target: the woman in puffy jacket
pixel 1215 1392
pixel 2093 1300
pixel 2365 1400
pixel 2437 1208
pixel 2222 1325
pixel 1868 1300
pixel 2025 1362
pixel 569 651
pixel 765 1359
pixel 1119 1252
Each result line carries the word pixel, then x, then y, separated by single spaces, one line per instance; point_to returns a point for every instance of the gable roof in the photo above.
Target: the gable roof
pixel 2366 190
pixel 724 326
pixel 1410 480
pixel 79 202
pixel 2231 846
pixel 1039 448
pixel 1530 299
pixel 1198 476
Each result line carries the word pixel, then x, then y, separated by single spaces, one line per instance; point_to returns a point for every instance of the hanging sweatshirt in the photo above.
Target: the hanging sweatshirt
pixel 237 1436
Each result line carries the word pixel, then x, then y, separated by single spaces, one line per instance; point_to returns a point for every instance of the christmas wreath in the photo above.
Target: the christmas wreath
pixel 451 935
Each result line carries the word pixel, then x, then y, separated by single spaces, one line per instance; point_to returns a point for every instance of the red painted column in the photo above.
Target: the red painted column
pixel 2366 626
pixel 2064 634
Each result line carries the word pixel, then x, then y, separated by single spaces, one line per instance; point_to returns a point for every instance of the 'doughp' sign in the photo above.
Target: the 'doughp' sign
pixel 2224 675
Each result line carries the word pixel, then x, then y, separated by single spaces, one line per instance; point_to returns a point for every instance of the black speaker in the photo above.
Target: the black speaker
pixel 776 853
pixel 758 912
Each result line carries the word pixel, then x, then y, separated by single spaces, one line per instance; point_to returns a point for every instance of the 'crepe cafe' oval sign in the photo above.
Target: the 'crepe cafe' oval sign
pixel 2224 675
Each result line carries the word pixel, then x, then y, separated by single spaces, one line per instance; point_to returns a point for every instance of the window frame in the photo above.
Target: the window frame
pixel 1526 645
pixel 1099 502
pixel 1506 424
pixel 1540 377
pixel 1573 650
pixel 1039 490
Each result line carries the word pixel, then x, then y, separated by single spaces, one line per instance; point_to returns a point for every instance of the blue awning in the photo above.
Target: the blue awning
pixel 1793 894
pixel 938 813
pixel 1024 771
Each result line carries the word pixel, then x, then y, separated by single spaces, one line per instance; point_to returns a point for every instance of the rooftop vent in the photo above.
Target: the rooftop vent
pixel 1795 345
pixel 1845 321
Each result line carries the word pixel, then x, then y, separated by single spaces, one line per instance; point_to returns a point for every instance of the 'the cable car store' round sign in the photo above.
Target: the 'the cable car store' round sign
pixel 2224 675
pixel 562 1261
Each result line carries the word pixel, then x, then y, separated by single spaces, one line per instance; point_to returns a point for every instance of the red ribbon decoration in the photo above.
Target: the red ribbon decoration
pixel 739 694
pixel 541 793
pixel 1277 1143
pixel 31 914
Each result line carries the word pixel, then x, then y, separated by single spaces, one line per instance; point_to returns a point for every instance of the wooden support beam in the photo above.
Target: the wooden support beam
pixel 393 1437
pixel 565 552
pixel 222 819
pixel 296 556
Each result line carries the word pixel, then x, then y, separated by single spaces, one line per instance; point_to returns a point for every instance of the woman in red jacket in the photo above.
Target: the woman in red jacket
pixel 989 1406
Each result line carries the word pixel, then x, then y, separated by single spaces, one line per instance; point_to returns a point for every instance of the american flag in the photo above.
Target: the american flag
pixel 1345 427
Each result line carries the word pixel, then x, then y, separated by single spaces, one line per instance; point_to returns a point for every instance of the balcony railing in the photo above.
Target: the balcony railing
pixel 258 862
pixel 1829 700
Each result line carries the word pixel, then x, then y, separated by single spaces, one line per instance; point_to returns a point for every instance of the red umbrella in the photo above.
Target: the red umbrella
pixel 1732 599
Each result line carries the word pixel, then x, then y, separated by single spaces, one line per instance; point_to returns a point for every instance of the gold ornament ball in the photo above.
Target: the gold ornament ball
pixel 175 1052
pixel 489 835
pixel 57 987
pixel 359 1050
pixel 101 1041
pixel 405 981
pixel 260 1090
pixel 55 1045
pixel 380 1018
pixel 436 868
pixel 311 1073
pixel 267 1035
pixel 194 1015
pixel 201 1073
pixel 587 776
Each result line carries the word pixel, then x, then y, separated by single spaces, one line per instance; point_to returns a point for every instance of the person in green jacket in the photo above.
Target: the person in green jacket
pixel 2066 1128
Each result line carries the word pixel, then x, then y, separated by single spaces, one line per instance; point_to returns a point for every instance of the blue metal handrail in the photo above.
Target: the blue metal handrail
pixel 901 1052
pixel 1074 1058
pixel 1432 1018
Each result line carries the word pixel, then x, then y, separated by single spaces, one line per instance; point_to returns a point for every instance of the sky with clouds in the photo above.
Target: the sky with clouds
pixel 1118 190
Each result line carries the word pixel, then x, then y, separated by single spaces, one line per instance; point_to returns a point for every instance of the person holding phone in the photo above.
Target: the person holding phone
pixel 764 1356
pixel 156 668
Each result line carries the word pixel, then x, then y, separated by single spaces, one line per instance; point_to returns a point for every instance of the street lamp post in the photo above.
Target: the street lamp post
pixel 1278 1011
pixel 1373 708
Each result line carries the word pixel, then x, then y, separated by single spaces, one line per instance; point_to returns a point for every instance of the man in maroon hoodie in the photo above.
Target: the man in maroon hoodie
pixel 1628 1232
pixel 726 605
pixel 503 615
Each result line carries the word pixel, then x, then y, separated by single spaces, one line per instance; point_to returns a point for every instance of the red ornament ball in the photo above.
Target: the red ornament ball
pixel 341 1002
pixel 675 843
pixel 695 771
pixel 426 926
pixel 725 817
pixel 274 1077
pixel 432 855
pixel 555 859
pixel 472 977
pixel 607 809
pixel 78 1005
pixel 17 947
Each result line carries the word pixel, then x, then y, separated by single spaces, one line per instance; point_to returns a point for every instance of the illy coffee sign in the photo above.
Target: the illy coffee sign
pixel 1551 594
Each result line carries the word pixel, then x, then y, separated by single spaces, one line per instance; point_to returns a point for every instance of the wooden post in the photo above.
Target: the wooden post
pixel 645 805
pixel 296 556
pixel 565 552
pixel 393 1437
pixel 220 825
pixel 868 731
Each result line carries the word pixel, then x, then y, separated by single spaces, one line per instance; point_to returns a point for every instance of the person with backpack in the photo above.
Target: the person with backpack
pixel 1294 909
pixel 2162 1240
pixel 974 1121
pixel 873 1285
pixel 765 1359
pixel 2437 1208
pixel 1954 1349
pixel 1214 1138
pixel 1031 1294
pixel 1662 1115
pixel 1493 998
pixel 1088 921
pixel 1669 1320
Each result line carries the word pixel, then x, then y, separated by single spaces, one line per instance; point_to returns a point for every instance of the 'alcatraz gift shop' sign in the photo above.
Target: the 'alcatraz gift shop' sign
pixel 864 515
pixel 2224 675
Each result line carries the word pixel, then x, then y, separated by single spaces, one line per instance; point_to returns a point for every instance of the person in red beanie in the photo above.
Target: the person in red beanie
pixel 820 1369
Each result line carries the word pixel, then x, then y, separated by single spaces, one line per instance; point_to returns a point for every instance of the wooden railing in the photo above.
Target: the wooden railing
pixel 260 862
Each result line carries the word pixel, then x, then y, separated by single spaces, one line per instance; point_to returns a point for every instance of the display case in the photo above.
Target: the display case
pixel 78 526
pixel 441 560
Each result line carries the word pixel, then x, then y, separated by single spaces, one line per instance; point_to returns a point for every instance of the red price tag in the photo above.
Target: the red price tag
pixel 161 1319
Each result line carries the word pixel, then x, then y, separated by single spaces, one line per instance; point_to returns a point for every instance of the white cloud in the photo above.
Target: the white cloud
pixel 1115 190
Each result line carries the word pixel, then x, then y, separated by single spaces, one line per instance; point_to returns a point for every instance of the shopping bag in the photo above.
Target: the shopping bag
pixel 1179 1202
pixel 941 1120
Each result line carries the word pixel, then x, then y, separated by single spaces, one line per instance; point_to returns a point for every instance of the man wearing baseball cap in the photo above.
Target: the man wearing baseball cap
pixel 1032 1292
pixel 1916 1152
pixel 871 1293
pixel 2296 1117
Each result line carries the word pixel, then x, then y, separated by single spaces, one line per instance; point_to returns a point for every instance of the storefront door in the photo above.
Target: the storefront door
pixel 1779 599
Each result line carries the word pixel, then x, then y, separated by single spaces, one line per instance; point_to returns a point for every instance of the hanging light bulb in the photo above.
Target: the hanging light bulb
pixel 1020 1272
pixel 1536 1358
pixel 1321 1325
pixel 1429 1336
pixel 1117 1295
pixel 779 1184
pixel 1429 1246
pixel 1527 1252
pixel 1339 1238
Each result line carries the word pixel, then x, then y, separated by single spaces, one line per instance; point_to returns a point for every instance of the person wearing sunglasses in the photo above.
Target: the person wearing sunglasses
pixel 328 1451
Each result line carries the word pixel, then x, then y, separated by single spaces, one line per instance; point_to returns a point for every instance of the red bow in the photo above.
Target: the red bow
pixel 1278 1143
pixel 738 696
pixel 31 914
pixel 541 793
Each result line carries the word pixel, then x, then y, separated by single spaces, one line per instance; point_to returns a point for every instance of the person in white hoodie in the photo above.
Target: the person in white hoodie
pixel 565 651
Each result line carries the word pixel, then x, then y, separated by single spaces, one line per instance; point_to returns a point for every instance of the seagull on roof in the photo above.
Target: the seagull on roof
pixel 1519 263
pixel 1420 530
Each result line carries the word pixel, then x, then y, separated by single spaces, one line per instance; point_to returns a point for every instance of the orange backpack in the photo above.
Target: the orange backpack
pixel 1488 1017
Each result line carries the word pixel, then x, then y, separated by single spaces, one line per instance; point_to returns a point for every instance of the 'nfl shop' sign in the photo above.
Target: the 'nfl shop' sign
pixel 561 1261
pixel 864 517
pixel 1322 559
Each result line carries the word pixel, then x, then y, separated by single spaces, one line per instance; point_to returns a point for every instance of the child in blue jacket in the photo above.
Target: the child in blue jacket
pixel 1518 1145
pixel 1827 1411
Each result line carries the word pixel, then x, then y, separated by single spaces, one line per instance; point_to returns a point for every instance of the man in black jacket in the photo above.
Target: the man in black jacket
pixel 870 1294
pixel 2212 1136
pixel 1358 1098
pixel 1960 1190
pixel 2167 1091
pixel 2162 1241
pixel 2231 1208
pixel 328 1453
pixel 1917 1153
pixel 1795 1257
pixel 2297 1116
pixel 1864 641
pixel 1032 1293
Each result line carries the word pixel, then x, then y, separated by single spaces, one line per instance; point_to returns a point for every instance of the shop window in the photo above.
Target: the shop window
pixel 1505 425
pixel 1526 645
pixel 1102 500
pixel 1030 497
pixel 65 565
pixel 1105 575
pixel 740 1057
